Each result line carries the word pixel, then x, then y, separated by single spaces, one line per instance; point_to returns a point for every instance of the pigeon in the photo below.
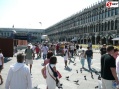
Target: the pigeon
pixel 67 77
pixel 81 70
pixel 60 87
pixel 74 64
pixel 77 71
pixel 96 72
pixel 76 81
pixel 96 87
pixel 85 77
pixel 92 75
pixel 99 77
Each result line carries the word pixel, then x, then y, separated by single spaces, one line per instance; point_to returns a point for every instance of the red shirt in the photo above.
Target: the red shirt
pixel 37 49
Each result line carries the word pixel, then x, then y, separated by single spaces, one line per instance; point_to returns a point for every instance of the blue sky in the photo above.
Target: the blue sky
pixel 28 13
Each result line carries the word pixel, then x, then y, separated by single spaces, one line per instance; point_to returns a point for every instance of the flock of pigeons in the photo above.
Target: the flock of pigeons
pixel 85 78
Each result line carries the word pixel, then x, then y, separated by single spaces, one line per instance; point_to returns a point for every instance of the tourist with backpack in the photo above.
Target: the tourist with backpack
pixel 29 56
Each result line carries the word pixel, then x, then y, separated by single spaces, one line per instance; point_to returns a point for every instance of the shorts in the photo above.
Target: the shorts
pixel 29 61
pixel 0 67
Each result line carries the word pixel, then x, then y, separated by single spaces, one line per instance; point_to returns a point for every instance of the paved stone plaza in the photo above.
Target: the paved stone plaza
pixel 39 81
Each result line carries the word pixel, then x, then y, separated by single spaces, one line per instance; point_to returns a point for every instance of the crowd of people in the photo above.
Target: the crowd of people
pixel 20 73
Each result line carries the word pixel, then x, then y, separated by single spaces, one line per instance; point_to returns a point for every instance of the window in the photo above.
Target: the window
pixel 102 27
pixel 109 13
pixel 116 11
pixel 112 25
pixel 100 15
pixel 106 15
pixel 103 15
pixel 112 12
pixel 108 27
pixel 115 24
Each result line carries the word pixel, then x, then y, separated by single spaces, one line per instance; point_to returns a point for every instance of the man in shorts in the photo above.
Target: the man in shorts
pixel 29 56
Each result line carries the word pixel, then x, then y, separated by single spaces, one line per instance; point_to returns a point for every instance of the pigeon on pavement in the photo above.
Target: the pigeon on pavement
pixel 85 77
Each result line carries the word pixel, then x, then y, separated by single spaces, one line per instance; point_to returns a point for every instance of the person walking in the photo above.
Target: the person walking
pixel 82 58
pixel 103 49
pixel 108 69
pixel 72 49
pixel 49 55
pixel 29 56
pixel 89 55
pixel 51 73
pixel 45 51
pixel 19 75
pixel 52 48
pixel 77 49
pixel 1 66
pixel 37 51
pixel 66 55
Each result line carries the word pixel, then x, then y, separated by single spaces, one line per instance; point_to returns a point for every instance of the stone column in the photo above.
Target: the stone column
pixel 110 26
pixel 95 39
pixel 106 40
pixel 83 39
pixel 113 42
pixel 80 41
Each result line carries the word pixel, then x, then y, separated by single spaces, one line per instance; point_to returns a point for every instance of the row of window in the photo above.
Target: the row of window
pixel 7 34
pixel 96 28
pixel 80 21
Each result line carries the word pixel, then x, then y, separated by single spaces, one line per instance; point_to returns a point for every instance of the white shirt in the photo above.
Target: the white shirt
pixel 72 47
pixel 33 48
pixel 117 65
pixel 1 55
pixel 45 49
pixel 18 77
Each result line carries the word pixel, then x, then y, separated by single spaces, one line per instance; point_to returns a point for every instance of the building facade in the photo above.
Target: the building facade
pixel 32 35
pixel 96 23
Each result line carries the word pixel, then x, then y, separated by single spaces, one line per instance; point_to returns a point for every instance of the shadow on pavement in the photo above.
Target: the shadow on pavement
pixel 68 69
pixel 70 61
pixel 7 59
pixel 86 69
pixel 95 71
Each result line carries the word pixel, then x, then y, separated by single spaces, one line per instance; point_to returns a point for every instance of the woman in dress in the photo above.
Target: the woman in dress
pixel 66 55
pixel 1 66
pixel 50 73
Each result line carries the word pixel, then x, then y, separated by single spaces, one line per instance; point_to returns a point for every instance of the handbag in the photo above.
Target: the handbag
pixel 59 75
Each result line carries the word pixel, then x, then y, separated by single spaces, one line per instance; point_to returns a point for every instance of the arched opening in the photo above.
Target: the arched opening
pixel 112 25
pixel 84 41
pixel 103 40
pixel 79 41
pixel 109 25
pixel 93 39
pixel 89 40
pixel 110 42
pixel 98 40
